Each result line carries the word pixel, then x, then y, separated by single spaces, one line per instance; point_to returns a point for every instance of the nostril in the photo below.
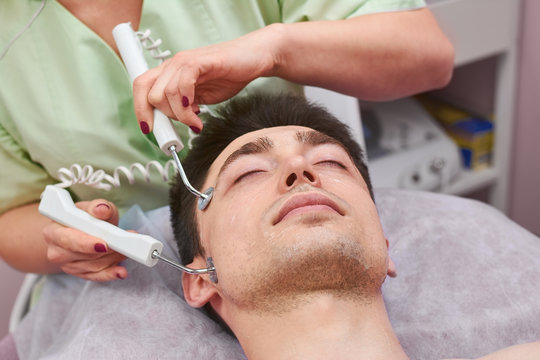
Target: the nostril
pixel 291 179
pixel 309 176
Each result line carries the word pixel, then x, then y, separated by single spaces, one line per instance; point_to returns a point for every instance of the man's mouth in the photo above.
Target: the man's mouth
pixel 306 202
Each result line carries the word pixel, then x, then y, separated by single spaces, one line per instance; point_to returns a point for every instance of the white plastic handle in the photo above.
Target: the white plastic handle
pixel 131 52
pixel 56 204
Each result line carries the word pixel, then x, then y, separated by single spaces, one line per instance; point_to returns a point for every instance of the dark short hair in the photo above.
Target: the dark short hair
pixel 241 116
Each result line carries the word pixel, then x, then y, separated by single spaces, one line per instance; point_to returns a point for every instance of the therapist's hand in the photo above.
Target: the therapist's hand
pixel 206 75
pixel 83 255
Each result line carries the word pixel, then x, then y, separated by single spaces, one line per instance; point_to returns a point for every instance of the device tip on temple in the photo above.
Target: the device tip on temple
pixel 205 199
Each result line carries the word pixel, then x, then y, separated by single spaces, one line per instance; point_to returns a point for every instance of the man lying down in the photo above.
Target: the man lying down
pixel 294 235
pixel 300 258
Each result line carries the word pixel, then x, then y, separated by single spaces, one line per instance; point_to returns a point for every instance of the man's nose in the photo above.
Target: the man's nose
pixel 299 171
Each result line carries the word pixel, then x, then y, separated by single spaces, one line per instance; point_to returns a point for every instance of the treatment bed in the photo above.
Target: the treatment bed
pixel 467 285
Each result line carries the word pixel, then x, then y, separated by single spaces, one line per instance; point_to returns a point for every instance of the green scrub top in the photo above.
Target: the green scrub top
pixel 66 98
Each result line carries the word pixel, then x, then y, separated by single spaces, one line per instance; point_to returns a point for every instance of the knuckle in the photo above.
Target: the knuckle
pixel 140 82
pixel 98 276
pixel 93 267
pixel 178 58
pixel 171 90
pixel 54 256
pixel 48 233
pixel 155 98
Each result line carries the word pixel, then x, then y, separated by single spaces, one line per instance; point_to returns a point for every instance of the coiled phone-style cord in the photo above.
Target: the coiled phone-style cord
pixel 99 179
pixel 86 175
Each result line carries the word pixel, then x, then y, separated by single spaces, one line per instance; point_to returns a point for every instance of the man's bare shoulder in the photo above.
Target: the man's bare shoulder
pixel 529 351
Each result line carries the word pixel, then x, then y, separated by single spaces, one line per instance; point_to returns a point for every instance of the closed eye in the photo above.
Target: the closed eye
pixel 246 175
pixel 331 163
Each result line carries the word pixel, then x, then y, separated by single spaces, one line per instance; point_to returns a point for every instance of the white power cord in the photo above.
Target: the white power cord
pixel 99 179
pixel 152 45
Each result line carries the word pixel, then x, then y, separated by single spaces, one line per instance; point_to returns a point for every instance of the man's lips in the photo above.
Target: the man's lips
pixel 311 201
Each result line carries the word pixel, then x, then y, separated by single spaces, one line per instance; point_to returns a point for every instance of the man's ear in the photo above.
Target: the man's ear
pixel 391 266
pixel 198 289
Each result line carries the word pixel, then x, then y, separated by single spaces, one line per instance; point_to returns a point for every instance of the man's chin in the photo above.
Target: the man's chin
pixel 318 261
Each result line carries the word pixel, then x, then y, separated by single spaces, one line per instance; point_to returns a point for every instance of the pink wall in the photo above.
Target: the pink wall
pixel 525 181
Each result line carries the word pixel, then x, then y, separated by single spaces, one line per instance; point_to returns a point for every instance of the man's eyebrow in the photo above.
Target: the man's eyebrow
pixel 314 138
pixel 260 145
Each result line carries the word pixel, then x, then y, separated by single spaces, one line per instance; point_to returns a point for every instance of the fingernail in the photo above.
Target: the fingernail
pixel 195 129
pixel 144 127
pixel 100 248
pixel 119 276
pixel 104 205
pixel 197 112
pixel 185 101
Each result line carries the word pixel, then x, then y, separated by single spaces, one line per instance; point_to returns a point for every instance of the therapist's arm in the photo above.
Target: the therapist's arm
pixel 22 244
pixel 373 57
pixel 30 242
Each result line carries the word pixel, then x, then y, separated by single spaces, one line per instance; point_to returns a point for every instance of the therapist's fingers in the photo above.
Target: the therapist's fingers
pixel 144 111
pixel 152 90
pixel 180 99
pixel 181 91
pixel 82 255
pixel 62 240
pixel 100 209
pixel 106 268
pixel 109 274
pixel 156 93
pixel 76 242
pixel 173 100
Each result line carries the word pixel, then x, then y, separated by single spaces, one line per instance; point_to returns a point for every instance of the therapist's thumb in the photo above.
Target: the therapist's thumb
pixel 100 209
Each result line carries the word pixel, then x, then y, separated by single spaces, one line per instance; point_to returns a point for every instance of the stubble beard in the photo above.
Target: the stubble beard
pixel 333 263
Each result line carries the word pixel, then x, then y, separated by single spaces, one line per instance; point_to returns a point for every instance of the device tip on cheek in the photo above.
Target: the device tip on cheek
pixel 211 270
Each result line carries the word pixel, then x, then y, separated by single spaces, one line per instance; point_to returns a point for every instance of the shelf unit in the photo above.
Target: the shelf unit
pixel 480 29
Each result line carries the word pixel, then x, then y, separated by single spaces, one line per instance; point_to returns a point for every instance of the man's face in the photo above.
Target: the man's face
pixel 291 215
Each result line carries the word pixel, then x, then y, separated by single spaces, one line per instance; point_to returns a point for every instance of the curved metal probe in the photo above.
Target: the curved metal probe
pixel 204 199
pixel 211 270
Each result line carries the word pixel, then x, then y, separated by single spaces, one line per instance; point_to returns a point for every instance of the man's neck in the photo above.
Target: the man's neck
pixel 321 328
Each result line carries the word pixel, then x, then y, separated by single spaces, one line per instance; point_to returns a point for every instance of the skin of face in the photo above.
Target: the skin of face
pixel 290 217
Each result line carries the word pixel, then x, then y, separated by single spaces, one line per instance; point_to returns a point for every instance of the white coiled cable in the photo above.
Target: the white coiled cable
pixel 99 179
pixel 152 45
pixel 149 44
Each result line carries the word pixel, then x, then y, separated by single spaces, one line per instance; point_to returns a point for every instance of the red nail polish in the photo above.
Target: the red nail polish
pixel 197 112
pixel 144 127
pixel 119 276
pixel 100 248
pixel 185 101
pixel 195 129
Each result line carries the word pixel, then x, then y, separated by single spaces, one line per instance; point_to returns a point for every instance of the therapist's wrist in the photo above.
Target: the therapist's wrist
pixel 275 41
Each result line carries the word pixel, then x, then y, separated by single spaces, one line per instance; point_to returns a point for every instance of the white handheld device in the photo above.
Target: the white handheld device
pixel 57 205
pixel 131 51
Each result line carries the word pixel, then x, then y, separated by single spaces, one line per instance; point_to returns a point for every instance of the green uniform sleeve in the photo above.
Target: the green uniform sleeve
pixel 22 179
pixel 294 10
